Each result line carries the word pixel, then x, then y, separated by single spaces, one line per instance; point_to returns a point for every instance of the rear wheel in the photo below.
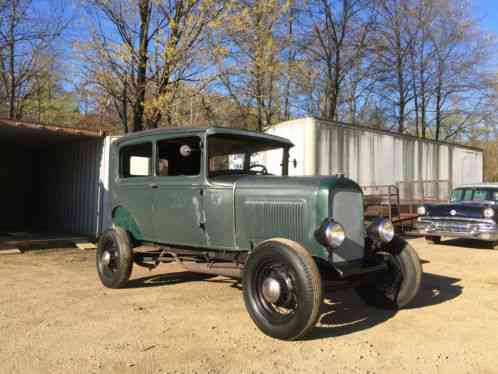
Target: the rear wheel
pixel 282 289
pixel 114 258
pixel 433 239
pixel 396 287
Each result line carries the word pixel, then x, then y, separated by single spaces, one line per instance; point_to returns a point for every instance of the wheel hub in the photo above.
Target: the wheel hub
pixel 271 290
pixel 106 258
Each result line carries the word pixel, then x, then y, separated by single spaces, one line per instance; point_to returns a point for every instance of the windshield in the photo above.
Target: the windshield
pixel 238 155
pixel 474 195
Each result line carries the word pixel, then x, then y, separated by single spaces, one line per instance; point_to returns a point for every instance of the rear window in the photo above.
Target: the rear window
pixel 136 160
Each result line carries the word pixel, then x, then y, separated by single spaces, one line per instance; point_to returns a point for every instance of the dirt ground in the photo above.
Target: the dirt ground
pixel 55 317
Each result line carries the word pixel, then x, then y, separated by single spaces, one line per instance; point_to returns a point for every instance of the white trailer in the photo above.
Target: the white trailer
pixel 372 156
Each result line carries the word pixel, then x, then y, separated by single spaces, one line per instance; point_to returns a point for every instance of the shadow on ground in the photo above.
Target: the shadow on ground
pixel 468 244
pixel 167 279
pixel 343 312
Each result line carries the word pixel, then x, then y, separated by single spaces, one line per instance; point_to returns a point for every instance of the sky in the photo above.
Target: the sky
pixel 486 13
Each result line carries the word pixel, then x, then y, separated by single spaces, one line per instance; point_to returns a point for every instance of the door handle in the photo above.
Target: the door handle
pixel 153 185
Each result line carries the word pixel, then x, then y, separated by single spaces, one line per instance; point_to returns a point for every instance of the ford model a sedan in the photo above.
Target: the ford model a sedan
pixel 198 197
pixel 471 213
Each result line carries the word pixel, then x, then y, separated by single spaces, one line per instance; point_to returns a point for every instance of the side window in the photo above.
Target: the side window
pixel 457 195
pixel 480 195
pixel 468 195
pixel 179 156
pixel 135 160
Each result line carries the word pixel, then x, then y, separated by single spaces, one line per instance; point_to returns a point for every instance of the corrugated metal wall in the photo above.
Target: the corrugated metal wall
pixel 69 187
pixel 373 157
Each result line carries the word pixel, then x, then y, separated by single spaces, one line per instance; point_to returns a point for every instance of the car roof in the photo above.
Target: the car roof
pixel 208 131
pixel 479 185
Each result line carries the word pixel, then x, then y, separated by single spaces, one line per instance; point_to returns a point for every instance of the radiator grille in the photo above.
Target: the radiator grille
pixel 272 218
pixel 347 209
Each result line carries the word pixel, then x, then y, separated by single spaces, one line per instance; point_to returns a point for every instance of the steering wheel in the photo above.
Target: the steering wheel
pixel 263 171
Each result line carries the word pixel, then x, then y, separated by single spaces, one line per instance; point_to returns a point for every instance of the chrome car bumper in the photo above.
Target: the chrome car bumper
pixel 483 229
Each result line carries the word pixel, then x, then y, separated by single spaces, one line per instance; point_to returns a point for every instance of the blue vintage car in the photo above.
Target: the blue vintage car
pixel 471 213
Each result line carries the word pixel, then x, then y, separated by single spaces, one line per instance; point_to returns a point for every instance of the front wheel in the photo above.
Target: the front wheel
pixel 282 289
pixel 399 284
pixel 114 258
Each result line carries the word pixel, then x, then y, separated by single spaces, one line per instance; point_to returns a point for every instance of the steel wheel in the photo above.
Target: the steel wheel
pixel 114 258
pixel 275 287
pixel 282 289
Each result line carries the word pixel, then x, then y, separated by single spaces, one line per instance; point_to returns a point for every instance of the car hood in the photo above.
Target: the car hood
pixel 276 182
pixel 469 210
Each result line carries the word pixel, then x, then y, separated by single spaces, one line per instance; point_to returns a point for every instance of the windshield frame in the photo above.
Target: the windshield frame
pixel 249 146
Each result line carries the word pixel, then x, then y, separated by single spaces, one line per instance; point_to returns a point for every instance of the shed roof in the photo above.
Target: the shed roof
pixel 35 134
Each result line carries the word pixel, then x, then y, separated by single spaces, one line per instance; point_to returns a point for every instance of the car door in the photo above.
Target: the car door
pixel 133 188
pixel 178 213
pixel 219 213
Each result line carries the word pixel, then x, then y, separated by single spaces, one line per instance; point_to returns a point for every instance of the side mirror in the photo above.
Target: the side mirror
pixel 294 163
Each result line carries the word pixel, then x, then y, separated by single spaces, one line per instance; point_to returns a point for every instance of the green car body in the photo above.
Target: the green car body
pixel 195 197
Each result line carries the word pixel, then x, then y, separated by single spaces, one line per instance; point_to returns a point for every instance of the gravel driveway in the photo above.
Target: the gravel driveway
pixel 55 317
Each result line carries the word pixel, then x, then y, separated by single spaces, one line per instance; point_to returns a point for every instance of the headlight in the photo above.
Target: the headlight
pixel 421 210
pixel 488 212
pixel 330 234
pixel 381 230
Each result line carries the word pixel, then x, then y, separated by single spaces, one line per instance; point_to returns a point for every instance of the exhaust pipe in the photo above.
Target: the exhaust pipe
pixel 216 268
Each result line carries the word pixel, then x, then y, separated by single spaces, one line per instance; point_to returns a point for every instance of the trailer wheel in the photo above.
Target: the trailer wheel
pixel 282 289
pixel 396 287
pixel 114 258
pixel 433 239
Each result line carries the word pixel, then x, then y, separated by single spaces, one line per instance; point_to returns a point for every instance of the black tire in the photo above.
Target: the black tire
pixel 398 286
pixel 296 311
pixel 433 239
pixel 114 271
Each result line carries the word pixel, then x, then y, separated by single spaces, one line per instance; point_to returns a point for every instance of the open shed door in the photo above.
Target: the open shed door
pixel 50 178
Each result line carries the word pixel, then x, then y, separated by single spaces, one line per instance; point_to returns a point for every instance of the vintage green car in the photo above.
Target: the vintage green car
pixel 197 197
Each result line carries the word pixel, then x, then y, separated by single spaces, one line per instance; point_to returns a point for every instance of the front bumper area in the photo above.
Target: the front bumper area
pixel 471 228
pixel 359 267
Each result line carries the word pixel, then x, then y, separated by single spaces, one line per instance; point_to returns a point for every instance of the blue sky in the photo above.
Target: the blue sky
pixel 486 12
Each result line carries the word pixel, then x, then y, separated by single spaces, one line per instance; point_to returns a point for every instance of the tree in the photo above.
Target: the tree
pixel 27 38
pixel 142 51
pixel 392 47
pixel 335 45
pixel 248 54
pixel 460 86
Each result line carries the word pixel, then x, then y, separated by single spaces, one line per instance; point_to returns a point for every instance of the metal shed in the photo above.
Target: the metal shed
pixel 375 157
pixel 50 178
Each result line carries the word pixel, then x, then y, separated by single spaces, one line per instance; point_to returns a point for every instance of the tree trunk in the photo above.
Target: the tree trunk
pixel 438 113
pixel 11 48
pixel 138 108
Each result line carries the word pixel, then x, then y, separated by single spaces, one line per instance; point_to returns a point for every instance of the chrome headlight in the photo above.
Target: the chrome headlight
pixel 381 230
pixel 421 210
pixel 330 234
pixel 488 212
